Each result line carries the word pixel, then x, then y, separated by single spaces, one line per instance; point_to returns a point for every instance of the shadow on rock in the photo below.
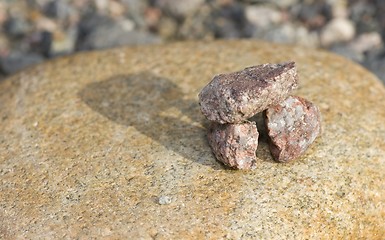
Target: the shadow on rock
pixel 157 108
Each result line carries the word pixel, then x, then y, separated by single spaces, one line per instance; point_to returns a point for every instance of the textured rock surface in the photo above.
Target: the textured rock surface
pixel 235 145
pixel 235 97
pixel 292 126
pixel 91 143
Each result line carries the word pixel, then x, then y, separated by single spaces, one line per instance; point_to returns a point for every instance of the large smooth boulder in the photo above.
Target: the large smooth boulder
pixel 112 144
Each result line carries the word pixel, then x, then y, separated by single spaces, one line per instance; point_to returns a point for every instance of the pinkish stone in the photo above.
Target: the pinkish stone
pixel 234 145
pixel 235 97
pixel 292 126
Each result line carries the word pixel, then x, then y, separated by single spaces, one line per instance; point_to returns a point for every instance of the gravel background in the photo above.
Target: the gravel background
pixel 36 30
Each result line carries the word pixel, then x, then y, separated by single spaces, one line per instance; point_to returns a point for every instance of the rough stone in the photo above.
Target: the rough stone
pixel 90 142
pixel 292 127
pixel 235 145
pixel 235 97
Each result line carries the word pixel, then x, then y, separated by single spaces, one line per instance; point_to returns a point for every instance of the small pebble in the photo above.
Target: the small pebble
pixel 292 126
pixel 16 61
pixel 235 97
pixel 234 145
pixel 164 200
pixel 337 30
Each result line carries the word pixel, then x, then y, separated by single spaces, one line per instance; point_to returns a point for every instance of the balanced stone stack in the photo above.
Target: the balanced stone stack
pixel 230 100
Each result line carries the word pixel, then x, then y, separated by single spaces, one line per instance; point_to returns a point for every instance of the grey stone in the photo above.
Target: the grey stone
pixel 17 26
pixel 58 9
pixel 337 30
pixel 16 61
pixel 375 62
pixel 113 35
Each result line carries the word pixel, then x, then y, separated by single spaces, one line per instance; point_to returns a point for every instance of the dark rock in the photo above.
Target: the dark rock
pixel 16 27
pixel 235 97
pixel 380 9
pixel 234 145
pixel 88 24
pixel 313 15
pixel 44 43
pixel 292 126
pixel 229 21
pixel 363 15
pixel 57 9
pixel 16 61
pixel 375 62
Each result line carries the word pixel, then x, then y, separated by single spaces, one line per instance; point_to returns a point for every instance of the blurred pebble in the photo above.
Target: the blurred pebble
pixel 288 33
pixel 167 28
pixel 339 9
pixel 263 16
pixel 375 62
pixel 16 26
pixel 116 9
pixel 282 3
pixel 229 21
pixel 3 13
pixel 347 52
pixel 337 30
pixel 314 15
pixel 16 61
pixel 195 25
pixel 88 23
pixel 101 5
pixel 135 10
pixel 63 43
pixel 51 28
pixel 114 35
pixel 366 41
pixel 362 14
pixel 57 9
pixel 178 8
pixel 380 16
pixel 4 45
pixel 43 23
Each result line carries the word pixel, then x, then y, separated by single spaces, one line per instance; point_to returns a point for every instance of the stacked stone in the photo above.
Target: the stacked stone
pixel 231 99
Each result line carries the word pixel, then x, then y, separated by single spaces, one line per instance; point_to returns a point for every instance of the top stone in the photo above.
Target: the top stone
pixel 235 97
pixel 113 145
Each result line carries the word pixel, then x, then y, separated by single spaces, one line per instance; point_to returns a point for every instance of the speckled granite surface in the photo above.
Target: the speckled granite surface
pixel 90 143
